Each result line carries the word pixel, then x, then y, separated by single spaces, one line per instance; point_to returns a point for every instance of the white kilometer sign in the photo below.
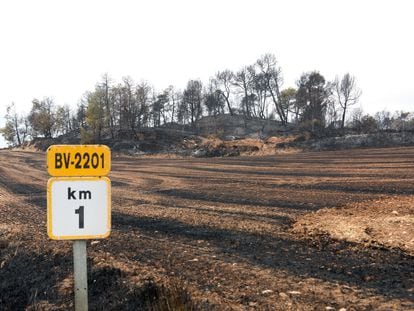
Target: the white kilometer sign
pixel 79 208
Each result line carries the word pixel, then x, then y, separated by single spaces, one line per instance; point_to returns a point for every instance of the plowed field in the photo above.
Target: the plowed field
pixel 303 231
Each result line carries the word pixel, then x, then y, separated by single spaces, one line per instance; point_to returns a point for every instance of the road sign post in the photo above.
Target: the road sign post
pixel 79 203
pixel 80 275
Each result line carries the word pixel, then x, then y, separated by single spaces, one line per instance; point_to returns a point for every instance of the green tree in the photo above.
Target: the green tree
pixel 313 96
pixel 158 108
pixel 63 120
pixel 192 100
pixel 79 119
pixel 213 100
pixel 9 133
pixel 287 100
pixel 95 116
pixel 260 97
pixel 42 117
pixel 363 123
pixel 12 130
pixel 143 103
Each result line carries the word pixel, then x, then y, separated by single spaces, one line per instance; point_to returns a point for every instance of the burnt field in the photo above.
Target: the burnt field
pixel 303 231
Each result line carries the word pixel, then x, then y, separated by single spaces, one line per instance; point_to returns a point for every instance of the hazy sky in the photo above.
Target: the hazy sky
pixel 61 48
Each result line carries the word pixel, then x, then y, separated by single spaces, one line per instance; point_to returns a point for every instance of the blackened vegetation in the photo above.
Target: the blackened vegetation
pixel 23 278
pixel 109 292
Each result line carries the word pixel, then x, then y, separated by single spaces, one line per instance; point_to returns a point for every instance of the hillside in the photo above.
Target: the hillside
pixel 223 135
pixel 227 135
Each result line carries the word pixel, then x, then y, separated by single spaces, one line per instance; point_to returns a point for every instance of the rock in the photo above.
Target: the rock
pixel 125 145
pixel 283 295
pixel 294 292
pixel 229 137
pixel 199 153
pixel 193 260
pixel 267 291
pixel 329 308
pixel 342 309
pixel 394 213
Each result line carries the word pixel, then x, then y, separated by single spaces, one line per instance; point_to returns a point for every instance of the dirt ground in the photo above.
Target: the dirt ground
pixel 300 231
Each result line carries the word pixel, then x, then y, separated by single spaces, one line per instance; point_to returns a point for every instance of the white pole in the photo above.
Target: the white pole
pixel 80 275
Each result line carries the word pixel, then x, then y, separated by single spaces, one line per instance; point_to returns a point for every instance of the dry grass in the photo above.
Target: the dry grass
pixel 172 296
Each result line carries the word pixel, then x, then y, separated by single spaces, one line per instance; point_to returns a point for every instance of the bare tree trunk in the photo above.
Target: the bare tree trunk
pixel 279 111
pixel 343 118
pixel 228 105
pixel 173 108
pixel 16 129
pixel 246 100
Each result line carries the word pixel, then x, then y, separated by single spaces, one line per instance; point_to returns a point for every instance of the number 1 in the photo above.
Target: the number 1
pixel 102 158
pixel 80 212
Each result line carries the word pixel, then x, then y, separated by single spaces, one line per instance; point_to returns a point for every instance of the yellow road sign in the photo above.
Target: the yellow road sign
pixel 78 160
pixel 78 208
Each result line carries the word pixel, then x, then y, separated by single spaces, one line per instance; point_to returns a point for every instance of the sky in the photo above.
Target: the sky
pixel 60 49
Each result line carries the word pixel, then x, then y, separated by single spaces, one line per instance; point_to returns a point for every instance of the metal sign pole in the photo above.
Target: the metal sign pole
pixel 80 275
